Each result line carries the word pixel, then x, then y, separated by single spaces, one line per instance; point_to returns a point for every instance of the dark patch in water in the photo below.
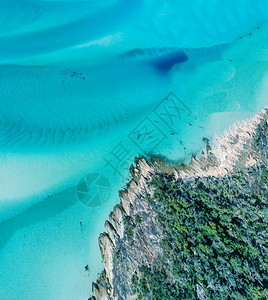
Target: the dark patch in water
pixel 166 62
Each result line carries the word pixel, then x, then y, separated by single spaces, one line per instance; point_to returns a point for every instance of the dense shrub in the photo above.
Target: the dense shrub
pixel 215 232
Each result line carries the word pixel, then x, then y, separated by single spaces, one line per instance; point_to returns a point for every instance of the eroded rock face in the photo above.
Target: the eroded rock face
pixel 133 235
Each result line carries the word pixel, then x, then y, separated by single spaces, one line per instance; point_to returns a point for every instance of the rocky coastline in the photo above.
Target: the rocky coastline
pixel 133 234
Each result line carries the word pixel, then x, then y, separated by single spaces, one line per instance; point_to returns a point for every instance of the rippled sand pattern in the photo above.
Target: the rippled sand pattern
pixel 75 78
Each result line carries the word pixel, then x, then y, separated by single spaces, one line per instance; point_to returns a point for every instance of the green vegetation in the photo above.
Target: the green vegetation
pixel 128 226
pixel 137 219
pixel 215 232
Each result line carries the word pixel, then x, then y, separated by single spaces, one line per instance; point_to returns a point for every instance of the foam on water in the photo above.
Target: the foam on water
pixel 75 80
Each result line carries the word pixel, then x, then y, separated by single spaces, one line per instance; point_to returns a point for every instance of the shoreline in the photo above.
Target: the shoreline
pixel 233 149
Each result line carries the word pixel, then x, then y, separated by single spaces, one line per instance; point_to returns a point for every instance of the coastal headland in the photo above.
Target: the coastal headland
pixel 196 231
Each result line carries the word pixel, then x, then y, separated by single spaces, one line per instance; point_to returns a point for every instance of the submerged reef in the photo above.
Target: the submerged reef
pixel 193 232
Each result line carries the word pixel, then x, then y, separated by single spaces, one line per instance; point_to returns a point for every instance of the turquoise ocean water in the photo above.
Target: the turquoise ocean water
pixel 85 86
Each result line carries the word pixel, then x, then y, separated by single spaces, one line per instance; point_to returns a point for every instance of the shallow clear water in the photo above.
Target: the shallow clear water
pixel 82 89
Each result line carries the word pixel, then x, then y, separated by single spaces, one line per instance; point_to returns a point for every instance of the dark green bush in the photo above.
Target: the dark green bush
pixel 215 232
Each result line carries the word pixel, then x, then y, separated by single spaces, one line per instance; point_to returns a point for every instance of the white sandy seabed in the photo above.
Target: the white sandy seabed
pixel 72 87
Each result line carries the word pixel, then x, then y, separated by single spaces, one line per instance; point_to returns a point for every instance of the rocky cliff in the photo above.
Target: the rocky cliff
pixel 134 236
